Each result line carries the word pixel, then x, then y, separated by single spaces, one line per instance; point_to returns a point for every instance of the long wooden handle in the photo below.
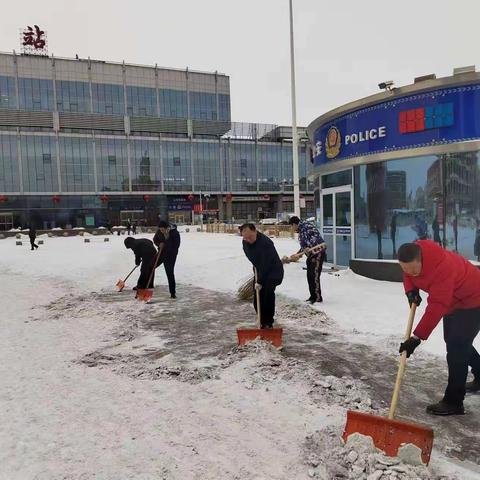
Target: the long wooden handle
pixel 155 261
pixel 133 269
pixel 257 293
pixel 402 364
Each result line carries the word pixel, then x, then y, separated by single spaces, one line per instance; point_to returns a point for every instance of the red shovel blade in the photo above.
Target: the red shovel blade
pixel 389 435
pixel 120 285
pixel 144 294
pixel 272 335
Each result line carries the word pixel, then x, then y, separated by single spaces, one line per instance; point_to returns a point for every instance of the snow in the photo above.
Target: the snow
pixel 82 396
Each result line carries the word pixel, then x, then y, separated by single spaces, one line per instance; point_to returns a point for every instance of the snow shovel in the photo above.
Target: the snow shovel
pixel 146 294
pixel 389 434
pixel 121 283
pixel 272 335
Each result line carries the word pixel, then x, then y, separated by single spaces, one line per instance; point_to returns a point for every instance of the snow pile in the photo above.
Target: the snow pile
pixel 328 458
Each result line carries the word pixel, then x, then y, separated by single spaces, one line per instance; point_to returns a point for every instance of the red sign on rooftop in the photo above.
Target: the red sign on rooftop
pixel 33 40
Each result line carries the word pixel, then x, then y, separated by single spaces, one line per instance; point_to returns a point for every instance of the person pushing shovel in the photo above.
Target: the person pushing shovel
pixel 261 252
pixel 309 237
pixel 145 254
pixel 453 287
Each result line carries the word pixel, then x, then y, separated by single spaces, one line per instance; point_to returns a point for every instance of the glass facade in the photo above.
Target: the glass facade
pixel 435 197
pixel 108 99
pixel 173 103
pixel 9 171
pixel 146 160
pixel 244 167
pixel 270 168
pixel 141 101
pixel 203 106
pixel 8 96
pixel 206 163
pixel 35 94
pixel 112 164
pixel 39 163
pixel 77 166
pixel 224 107
pixel 72 96
pixel 177 166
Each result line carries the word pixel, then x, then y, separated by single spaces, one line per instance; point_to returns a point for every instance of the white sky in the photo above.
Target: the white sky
pixel 344 48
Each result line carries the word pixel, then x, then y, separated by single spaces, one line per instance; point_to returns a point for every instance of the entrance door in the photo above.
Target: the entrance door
pixel 336 222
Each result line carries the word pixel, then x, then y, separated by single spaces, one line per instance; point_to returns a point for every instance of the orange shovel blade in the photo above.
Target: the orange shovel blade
pixel 390 435
pixel 272 335
pixel 120 285
pixel 144 294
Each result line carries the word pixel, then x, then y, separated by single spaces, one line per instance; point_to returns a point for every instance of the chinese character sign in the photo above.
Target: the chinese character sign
pixel 33 40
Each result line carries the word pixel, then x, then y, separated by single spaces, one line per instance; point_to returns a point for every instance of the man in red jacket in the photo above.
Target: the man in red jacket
pixel 453 287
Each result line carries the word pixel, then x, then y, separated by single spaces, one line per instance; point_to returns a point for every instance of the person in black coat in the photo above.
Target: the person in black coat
pixel 167 239
pixel 261 252
pixel 32 233
pixel 145 253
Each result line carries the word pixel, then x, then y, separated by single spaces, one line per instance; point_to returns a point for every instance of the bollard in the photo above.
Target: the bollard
pixel 40 242
pixel 106 239
pixel 86 240
pixel 18 243
pixel 198 229
pixel 65 234
pixel 50 234
pixel 18 236
pixel 2 235
pixel 187 230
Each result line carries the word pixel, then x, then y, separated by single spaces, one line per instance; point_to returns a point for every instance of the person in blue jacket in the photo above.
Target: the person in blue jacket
pixel 309 236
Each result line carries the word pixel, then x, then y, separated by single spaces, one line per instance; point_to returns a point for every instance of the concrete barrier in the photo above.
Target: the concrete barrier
pixel 86 240
pixel 187 230
pixel 40 242
pixel 106 239
pixel 18 242
pixel 50 234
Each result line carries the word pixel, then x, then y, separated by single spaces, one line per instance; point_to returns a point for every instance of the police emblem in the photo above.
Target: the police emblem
pixel 333 142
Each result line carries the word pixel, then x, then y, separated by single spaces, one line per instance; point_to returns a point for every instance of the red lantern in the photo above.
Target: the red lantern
pixel 3 198
pixel 147 198
pixel 104 198
pixel 56 198
pixel 190 197
pixel 266 197
pixel 228 197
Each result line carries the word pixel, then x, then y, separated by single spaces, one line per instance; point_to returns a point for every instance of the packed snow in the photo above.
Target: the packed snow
pixel 98 386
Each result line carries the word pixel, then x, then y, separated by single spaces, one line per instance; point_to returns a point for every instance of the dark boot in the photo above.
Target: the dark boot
pixel 473 386
pixel 445 408
pixel 172 295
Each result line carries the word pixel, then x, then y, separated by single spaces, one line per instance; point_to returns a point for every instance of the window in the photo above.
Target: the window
pixel 73 96
pixel 112 164
pixel 39 175
pixel 76 164
pixel 8 97
pixel 176 161
pixel 35 94
pixel 203 106
pixel 177 166
pixel 173 103
pixel 9 171
pixel 224 107
pixel 270 167
pixel 108 99
pixel 112 160
pixel 141 101
pixel 146 165
pixel 244 168
pixel 206 157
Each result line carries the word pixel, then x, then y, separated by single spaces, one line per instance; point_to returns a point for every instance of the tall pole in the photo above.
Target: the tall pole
pixel 296 185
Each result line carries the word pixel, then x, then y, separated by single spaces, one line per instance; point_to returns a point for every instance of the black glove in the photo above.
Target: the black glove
pixel 414 297
pixel 409 345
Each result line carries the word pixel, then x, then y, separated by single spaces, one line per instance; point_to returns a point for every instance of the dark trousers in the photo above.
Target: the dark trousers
pixel 314 270
pixel 459 330
pixel 169 265
pixel 267 304
pixel 32 243
pixel 145 272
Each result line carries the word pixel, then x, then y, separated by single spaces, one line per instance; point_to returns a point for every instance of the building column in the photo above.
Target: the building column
pixel 221 208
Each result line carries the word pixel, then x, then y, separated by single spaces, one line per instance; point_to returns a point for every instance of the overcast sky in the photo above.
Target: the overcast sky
pixel 344 48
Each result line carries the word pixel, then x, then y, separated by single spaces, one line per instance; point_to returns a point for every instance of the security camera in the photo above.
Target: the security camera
pixel 386 85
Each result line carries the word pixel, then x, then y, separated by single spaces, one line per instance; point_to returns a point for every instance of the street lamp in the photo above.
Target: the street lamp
pixel 296 186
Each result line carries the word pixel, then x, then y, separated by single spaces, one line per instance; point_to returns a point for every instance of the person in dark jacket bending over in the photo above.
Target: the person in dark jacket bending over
pixel 145 253
pixel 453 287
pixel 32 233
pixel 168 239
pixel 261 252
pixel 309 236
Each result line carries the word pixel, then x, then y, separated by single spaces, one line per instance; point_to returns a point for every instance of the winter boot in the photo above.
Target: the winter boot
pixel 473 386
pixel 172 295
pixel 445 408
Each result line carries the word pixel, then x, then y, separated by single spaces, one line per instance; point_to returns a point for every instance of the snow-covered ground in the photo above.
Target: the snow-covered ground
pixel 93 386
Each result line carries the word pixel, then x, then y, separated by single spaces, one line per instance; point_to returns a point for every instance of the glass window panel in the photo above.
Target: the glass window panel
pixel 38 175
pixel 8 97
pixel 177 166
pixel 270 167
pixel 108 99
pixel 112 175
pixel 206 157
pixel 244 169
pixel 35 94
pixel 173 103
pixel 9 171
pixel 146 165
pixel 76 164
pixel 72 96
pixel 141 101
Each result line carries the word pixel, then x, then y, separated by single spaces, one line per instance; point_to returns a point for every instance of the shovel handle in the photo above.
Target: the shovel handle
pixel 131 271
pixel 402 364
pixel 257 293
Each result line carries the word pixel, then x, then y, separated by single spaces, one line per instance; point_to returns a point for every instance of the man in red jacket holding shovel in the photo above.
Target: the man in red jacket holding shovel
pixel 453 287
